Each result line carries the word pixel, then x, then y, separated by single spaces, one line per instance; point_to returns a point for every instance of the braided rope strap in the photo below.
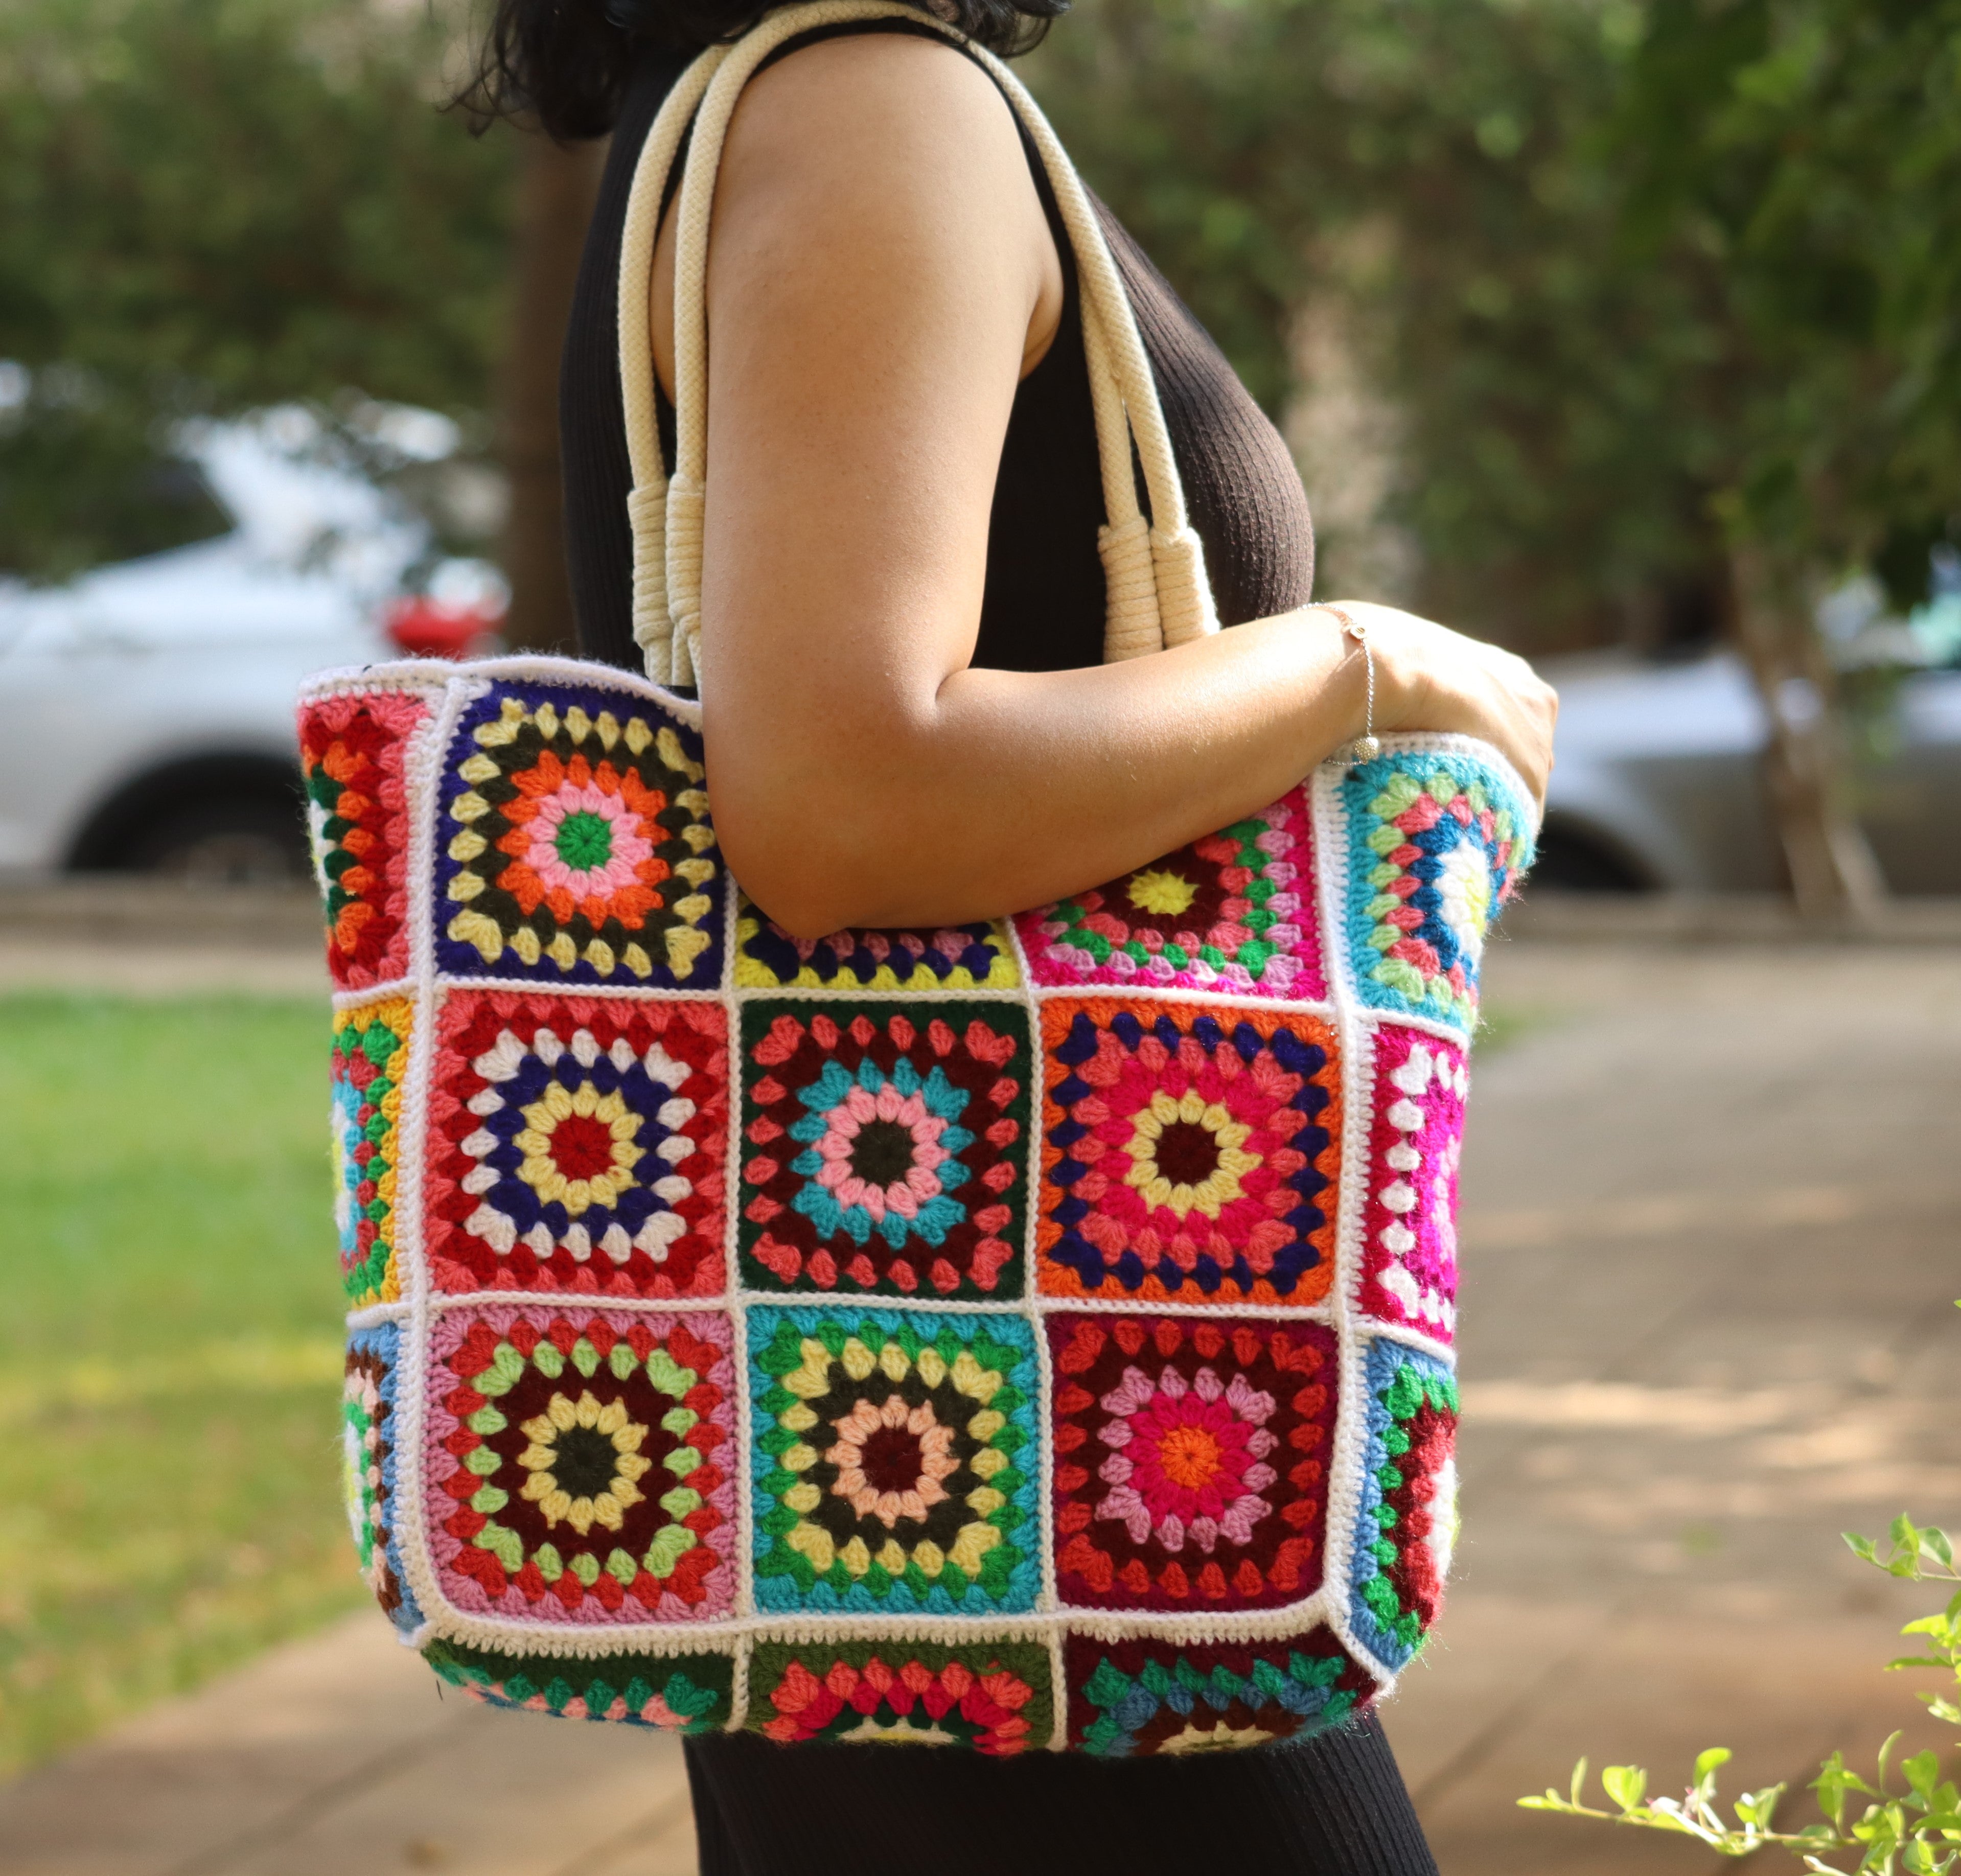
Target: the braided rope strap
pixel 1154 574
pixel 646 505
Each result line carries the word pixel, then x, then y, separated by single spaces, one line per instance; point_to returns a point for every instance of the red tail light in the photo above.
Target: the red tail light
pixel 421 627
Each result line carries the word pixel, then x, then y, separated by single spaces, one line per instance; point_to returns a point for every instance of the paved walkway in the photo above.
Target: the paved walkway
pixel 1711 1237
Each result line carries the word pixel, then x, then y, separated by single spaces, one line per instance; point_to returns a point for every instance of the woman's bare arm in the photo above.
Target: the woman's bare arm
pixel 881 276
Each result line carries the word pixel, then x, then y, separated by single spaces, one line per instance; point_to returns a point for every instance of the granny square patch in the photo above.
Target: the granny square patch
pixel 1233 913
pixel 579 1464
pixel 894 1461
pixel 995 1697
pixel 1409 1230
pixel 1190 1153
pixel 367 1069
pixel 1145 1695
pixel 574 845
pixel 353 750
pixel 578 1143
pixel 368 1467
pixel 680 1693
pixel 955 957
pixel 1438 843
pixel 1190 1459
pixel 885 1147
pixel 1407 1522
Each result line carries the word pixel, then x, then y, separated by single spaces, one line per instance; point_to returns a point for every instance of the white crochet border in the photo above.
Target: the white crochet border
pixel 448 688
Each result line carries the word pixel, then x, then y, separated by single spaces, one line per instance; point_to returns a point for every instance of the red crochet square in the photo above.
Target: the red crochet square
pixel 1233 913
pixel 578 1143
pixel 1409 1223
pixel 353 750
pixel 1192 1457
pixel 580 1463
pixel 1192 1153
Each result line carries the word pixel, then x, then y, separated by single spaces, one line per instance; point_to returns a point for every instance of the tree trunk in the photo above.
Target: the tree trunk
pixel 1834 876
pixel 556 188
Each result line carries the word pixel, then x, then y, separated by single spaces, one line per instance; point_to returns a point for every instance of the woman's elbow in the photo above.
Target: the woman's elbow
pixel 812 871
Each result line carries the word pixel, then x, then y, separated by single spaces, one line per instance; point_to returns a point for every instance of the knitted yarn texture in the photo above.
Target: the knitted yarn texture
pixel 1031 1336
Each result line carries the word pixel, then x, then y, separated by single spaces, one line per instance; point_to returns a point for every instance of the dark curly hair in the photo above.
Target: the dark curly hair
pixel 563 64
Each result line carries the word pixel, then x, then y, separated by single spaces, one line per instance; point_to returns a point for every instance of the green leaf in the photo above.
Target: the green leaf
pixel 1626 1784
pixel 1921 1773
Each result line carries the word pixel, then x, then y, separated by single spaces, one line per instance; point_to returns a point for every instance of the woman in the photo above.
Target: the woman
pixel 907 718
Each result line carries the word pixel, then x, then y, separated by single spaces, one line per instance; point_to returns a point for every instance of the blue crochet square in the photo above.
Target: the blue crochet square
pixel 573 844
pixel 894 1460
pixel 369 1463
pixel 1407 1523
pixel 1436 843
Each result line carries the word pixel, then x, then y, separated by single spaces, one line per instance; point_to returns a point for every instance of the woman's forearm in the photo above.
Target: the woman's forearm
pixel 1005 789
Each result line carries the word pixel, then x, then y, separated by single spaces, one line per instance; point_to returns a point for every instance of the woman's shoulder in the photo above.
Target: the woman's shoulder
pixel 841 96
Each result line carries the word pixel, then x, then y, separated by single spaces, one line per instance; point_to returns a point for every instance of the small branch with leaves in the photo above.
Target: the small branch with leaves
pixel 1913 1830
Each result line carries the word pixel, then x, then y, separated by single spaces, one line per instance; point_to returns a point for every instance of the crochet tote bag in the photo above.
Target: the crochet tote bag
pixel 1030 1335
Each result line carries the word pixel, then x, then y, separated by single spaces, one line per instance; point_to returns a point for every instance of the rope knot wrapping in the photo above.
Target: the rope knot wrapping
pixel 1184 593
pixel 653 626
pixel 686 507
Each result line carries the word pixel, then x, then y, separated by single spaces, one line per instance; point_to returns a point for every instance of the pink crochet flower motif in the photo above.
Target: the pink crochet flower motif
pixel 897 1187
pixel 891 1460
pixel 1187 1460
pixel 585 842
pixel 1197 1156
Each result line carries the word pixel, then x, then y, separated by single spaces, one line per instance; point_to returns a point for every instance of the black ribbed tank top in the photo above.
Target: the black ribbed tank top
pixel 1042 607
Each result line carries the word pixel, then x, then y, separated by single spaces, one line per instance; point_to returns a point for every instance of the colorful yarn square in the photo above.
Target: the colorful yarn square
pixel 368 1467
pixel 369 1062
pixel 680 1693
pixel 1450 840
pixel 579 1462
pixel 578 1143
pixel 955 958
pixel 1145 1695
pixel 993 1697
pixel 1190 1153
pixel 894 1461
pixel 1191 1457
pixel 352 751
pixel 1233 913
pixel 1409 1226
pixel 1408 1522
pixel 575 843
pixel 887 1147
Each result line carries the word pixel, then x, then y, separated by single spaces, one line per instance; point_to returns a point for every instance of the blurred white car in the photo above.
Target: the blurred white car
pixel 1658 782
pixel 146 708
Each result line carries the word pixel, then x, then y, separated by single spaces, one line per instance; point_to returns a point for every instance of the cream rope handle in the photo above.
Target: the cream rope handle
pixel 1172 549
pixel 1154 574
pixel 646 504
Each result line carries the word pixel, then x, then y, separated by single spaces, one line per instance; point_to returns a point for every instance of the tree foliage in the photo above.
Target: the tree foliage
pixel 1641 279
pixel 209 205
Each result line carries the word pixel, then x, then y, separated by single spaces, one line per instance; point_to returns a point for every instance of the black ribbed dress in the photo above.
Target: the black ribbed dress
pixel 1331 1806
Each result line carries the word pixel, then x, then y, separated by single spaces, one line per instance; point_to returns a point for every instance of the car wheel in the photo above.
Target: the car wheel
pixel 226 844
pixel 1574 860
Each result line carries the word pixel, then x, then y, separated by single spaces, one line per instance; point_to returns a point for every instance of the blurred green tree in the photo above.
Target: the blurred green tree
pixel 1798 163
pixel 209 205
pixel 1660 296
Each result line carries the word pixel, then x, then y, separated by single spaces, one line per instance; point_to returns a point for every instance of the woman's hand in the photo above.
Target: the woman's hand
pixel 1428 677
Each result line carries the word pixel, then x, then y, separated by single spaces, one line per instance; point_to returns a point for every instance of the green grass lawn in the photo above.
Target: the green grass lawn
pixel 169 1351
